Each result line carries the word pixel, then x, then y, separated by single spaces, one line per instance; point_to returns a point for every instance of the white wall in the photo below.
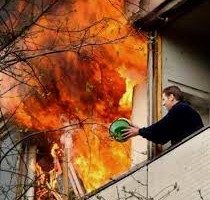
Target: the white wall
pixel 186 49
pixel 186 61
pixel 187 166
pixel 140 118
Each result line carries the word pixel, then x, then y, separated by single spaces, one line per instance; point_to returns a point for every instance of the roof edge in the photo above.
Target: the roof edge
pixel 166 12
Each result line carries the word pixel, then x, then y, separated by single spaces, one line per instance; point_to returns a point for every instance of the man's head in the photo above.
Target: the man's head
pixel 171 95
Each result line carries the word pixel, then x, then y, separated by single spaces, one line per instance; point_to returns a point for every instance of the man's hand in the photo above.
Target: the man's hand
pixel 129 132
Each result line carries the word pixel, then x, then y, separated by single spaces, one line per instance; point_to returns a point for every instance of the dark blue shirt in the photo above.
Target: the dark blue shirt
pixel 181 121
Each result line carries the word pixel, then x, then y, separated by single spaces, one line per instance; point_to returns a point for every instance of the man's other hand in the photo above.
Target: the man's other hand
pixel 129 132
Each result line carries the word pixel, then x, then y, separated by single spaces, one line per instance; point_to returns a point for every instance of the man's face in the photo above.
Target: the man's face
pixel 168 101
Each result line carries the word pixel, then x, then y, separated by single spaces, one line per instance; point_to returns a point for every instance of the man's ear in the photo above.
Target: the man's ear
pixel 171 97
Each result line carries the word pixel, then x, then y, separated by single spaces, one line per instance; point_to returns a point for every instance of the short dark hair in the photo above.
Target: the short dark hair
pixel 175 91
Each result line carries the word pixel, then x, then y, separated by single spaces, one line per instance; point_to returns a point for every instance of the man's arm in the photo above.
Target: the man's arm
pixel 159 132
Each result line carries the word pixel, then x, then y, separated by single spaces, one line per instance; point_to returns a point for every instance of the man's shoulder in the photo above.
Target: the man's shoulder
pixel 181 106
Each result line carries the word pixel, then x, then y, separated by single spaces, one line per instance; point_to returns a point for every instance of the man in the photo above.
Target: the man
pixel 180 121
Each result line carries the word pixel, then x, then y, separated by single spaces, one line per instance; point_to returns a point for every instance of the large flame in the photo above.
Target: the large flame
pixel 91 82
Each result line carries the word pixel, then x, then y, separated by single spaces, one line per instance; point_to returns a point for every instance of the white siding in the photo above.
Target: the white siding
pixel 188 166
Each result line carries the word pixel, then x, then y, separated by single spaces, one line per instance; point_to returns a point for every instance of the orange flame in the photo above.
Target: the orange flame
pixel 94 83
pixel 46 183
pixel 40 181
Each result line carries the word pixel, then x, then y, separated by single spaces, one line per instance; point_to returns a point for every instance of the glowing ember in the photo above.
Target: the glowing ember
pixel 91 84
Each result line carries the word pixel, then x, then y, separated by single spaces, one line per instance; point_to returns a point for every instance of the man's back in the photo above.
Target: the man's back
pixel 186 121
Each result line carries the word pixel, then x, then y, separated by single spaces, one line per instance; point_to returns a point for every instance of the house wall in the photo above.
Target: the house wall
pixel 182 172
pixel 186 60
pixel 9 166
pixel 17 166
pixel 140 118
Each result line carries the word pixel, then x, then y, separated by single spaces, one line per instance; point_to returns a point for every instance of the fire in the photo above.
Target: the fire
pixel 126 100
pixel 46 183
pixel 90 83
pixel 40 174
pixel 57 167
pixel 97 174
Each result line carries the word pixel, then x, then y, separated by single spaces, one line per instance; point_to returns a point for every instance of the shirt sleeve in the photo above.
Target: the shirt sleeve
pixel 161 131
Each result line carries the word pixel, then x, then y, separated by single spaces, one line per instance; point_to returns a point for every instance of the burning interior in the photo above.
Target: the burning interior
pixel 64 80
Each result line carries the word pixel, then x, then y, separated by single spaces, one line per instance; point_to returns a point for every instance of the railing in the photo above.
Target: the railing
pixel 182 172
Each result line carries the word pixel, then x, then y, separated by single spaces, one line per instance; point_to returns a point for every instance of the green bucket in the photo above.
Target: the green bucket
pixel 116 128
